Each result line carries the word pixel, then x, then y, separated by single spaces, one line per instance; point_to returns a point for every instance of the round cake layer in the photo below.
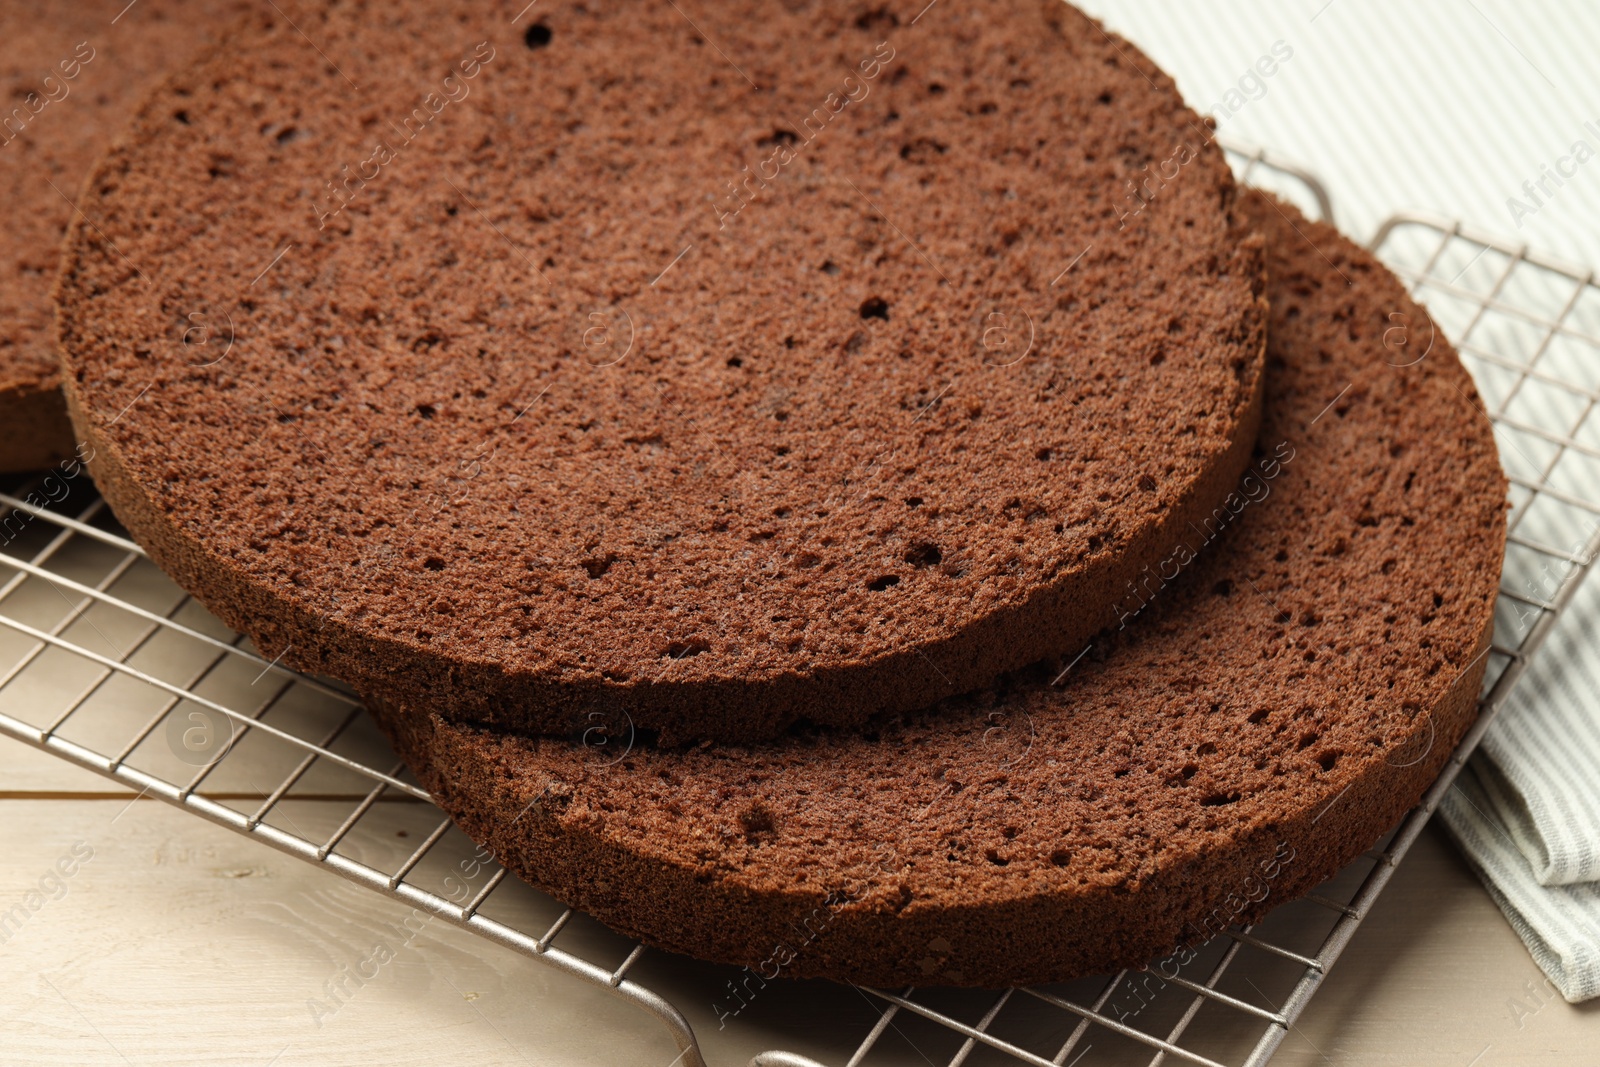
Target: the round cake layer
pixel 1301 666
pixel 72 73
pixel 801 361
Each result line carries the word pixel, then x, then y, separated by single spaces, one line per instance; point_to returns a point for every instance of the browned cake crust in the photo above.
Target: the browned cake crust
pixel 70 78
pixel 798 362
pixel 1280 705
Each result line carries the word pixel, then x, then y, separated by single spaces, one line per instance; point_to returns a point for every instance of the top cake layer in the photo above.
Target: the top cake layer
pixel 798 361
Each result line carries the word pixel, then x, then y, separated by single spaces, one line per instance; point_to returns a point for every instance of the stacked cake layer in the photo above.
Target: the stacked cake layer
pixel 821 480
pixel 74 73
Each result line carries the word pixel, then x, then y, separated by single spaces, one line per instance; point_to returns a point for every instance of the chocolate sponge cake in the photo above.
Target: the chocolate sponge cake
pixel 1301 672
pixel 72 73
pixel 799 361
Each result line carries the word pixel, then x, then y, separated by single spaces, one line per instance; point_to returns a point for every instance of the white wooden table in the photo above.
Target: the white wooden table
pixel 179 942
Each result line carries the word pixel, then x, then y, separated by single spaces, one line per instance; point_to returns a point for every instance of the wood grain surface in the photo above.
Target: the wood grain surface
pixel 178 942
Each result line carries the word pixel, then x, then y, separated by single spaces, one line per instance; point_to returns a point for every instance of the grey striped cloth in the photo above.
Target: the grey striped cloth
pixel 1526 810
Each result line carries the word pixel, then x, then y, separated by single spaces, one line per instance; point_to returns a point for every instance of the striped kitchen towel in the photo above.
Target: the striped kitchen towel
pixel 1526 810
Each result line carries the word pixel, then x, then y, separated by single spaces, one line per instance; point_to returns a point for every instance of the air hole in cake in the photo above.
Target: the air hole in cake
pixel 433 563
pixel 598 567
pixel 924 554
pixel 757 819
pixel 1044 455
pixel 1147 483
pixel 426 411
pixel 537 35
pixel 913 501
pixel 829 268
pixel 994 857
pixel 1061 857
pixel 1258 716
pixel 923 150
pixel 1223 588
pixel 735 362
pixel 1217 800
pixel 1328 760
pixel 777 137
pixel 878 585
pixel 875 308
pixel 877 18
pixel 685 649
pixel 1307 740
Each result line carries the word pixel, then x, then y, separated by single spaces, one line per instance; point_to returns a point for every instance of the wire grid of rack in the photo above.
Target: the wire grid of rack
pixel 105 663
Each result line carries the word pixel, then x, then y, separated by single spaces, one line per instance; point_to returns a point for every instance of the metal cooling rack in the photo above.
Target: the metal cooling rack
pixel 107 664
